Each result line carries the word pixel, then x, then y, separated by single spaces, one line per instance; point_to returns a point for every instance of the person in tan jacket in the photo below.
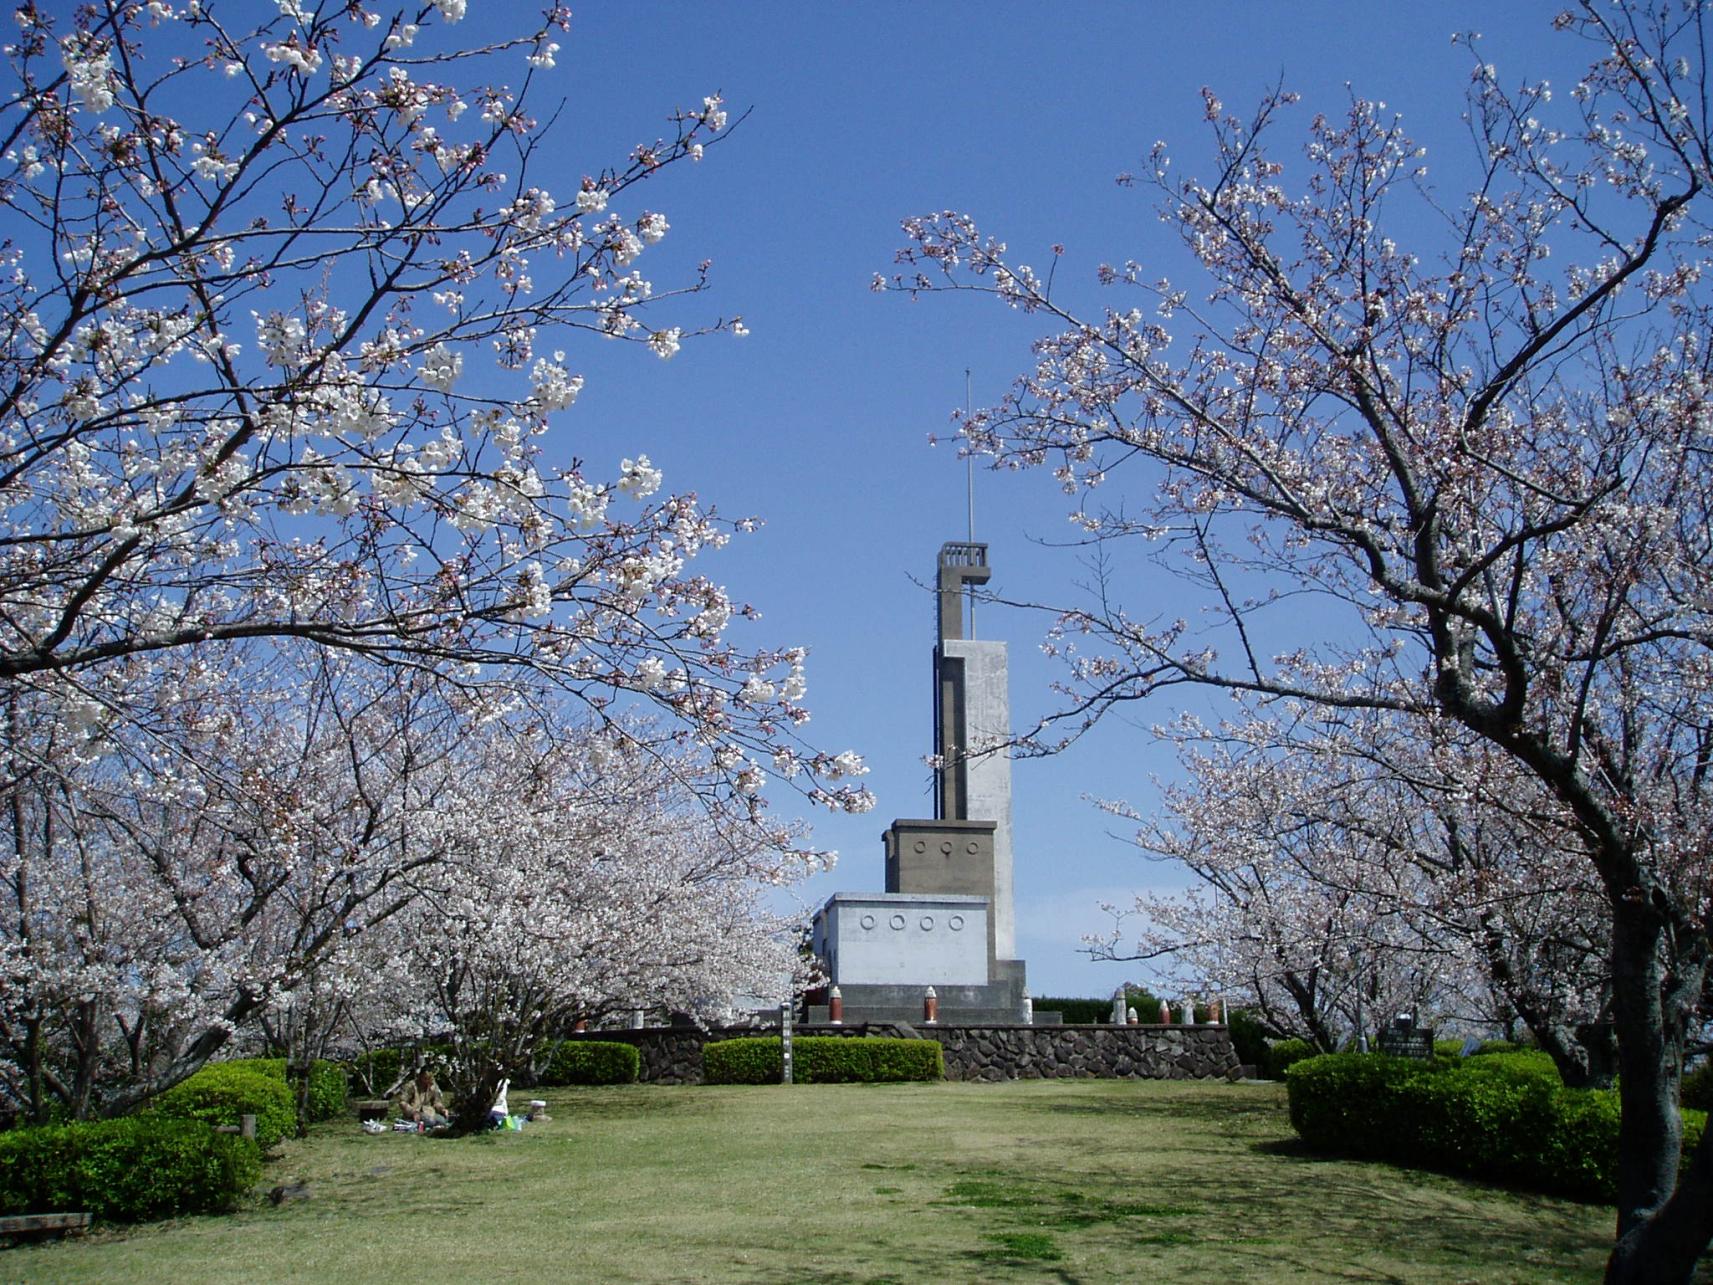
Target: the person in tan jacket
pixel 422 1101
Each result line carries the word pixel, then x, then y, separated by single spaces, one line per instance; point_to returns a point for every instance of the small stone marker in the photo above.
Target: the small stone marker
pixel 636 1019
pixel 1118 1007
pixel 1188 1015
pixel 1130 1018
pixel 930 1007
pixel 835 1007
pixel 1026 1010
pixel 1165 1013
pixel 1403 1038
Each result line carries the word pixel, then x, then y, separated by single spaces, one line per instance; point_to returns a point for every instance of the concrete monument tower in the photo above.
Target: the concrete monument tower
pixel 946 919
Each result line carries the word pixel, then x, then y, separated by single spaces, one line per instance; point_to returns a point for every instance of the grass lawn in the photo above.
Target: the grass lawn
pixel 1061 1180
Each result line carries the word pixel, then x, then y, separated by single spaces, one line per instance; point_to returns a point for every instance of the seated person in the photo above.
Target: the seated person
pixel 421 1101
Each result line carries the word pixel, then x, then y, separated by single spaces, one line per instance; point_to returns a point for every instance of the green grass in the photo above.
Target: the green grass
pixel 1087 1180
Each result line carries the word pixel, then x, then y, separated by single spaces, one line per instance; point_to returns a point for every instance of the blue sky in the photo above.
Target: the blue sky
pixel 860 115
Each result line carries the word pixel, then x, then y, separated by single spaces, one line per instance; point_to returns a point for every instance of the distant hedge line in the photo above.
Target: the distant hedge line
pixel 580 1061
pixel 570 1061
pixel 1505 1117
pixel 823 1059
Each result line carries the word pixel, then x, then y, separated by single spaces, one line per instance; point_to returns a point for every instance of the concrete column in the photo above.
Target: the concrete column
pixel 986 708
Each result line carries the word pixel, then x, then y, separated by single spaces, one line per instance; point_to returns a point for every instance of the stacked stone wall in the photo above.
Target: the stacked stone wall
pixel 1093 1052
pixel 673 1055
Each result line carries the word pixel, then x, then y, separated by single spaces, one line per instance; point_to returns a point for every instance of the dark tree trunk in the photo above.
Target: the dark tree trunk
pixel 471 1107
pixel 1663 1227
pixel 1663 1249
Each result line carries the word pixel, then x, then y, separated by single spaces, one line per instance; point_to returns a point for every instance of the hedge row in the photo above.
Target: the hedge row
pixel 823 1059
pixel 1698 1087
pixel 224 1091
pixel 579 1061
pixel 1282 1055
pixel 125 1170
pixel 376 1071
pixel 1501 1117
pixel 328 1085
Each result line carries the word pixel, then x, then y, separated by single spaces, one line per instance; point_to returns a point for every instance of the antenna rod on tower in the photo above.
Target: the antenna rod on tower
pixel 969 488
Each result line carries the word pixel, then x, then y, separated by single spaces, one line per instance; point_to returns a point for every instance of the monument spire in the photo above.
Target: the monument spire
pixel 969 492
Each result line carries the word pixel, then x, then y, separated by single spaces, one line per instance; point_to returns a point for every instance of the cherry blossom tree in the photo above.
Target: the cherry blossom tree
pixel 288 510
pixel 606 885
pixel 1485 456
pixel 1348 864
pixel 287 351
pixel 179 872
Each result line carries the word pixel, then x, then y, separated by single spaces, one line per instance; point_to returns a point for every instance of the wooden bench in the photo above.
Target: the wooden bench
pixel 16 1227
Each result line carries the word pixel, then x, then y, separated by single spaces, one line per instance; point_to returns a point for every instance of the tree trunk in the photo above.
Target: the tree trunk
pixel 1665 1247
pixel 470 1109
pixel 1662 1227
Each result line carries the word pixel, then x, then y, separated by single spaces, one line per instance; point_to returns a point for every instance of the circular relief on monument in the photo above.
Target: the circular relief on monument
pixel 955 923
pixel 897 921
pixel 927 923
pixel 867 921
pixel 921 845
pixel 946 847
pixel 972 847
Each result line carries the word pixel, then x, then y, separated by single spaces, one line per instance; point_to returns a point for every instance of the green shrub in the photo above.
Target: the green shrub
pixel 1520 1062
pixel 223 1091
pixel 376 1071
pixel 1503 1117
pixel 1448 1048
pixel 328 1085
pixel 125 1170
pixel 837 1059
pixel 1285 1054
pixel 748 1060
pixel 1698 1087
pixel 578 1061
pixel 1248 1038
pixel 1499 1046
pixel 1079 1012
pixel 823 1059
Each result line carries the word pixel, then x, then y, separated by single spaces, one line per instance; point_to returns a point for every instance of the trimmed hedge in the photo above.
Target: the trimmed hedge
pixel 220 1093
pixel 1501 1117
pixel 328 1086
pixel 1531 1063
pixel 1081 1012
pixel 592 1062
pixel 1248 1038
pixel 125 1170
pixel 823 1059
pixel 1284 1054
pixel 376 1071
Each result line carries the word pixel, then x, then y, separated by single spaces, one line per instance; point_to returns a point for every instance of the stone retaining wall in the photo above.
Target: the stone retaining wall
pixel 1094 1052
pixel 673 1055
